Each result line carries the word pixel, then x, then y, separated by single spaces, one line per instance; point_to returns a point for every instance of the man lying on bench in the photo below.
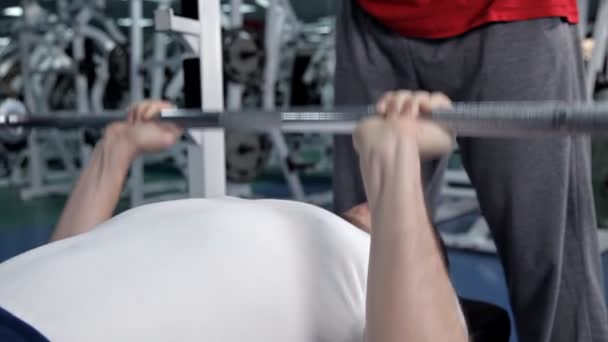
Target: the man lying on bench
pixel 228 269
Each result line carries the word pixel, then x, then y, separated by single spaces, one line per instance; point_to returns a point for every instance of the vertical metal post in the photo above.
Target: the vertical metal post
pixel 25 42
pixel 136 180
pixel 161 41
pixel 82 84
pixel 235 90
pixel 33 150
pixel 207 175
pixel 275 22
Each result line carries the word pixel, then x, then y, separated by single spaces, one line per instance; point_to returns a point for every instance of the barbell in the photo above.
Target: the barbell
pixel 483 119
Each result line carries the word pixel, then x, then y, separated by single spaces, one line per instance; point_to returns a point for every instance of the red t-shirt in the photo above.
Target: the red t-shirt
pixel 449 18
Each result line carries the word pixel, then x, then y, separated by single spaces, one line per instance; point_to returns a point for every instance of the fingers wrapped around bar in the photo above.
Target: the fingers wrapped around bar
pixel 142 131
pixel 403 113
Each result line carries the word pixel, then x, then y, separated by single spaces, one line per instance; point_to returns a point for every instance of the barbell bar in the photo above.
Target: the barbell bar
pixel 483 119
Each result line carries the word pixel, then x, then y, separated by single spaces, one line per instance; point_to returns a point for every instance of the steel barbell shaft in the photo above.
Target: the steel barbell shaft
pixel 466 119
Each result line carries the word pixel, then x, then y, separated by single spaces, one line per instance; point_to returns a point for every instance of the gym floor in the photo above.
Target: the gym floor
pixel 476 275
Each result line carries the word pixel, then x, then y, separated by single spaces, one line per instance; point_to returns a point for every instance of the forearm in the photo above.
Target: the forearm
pixel 98 189
pixel 409 293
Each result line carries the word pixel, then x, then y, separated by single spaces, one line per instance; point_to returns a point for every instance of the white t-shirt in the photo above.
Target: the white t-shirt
pixel 197 270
